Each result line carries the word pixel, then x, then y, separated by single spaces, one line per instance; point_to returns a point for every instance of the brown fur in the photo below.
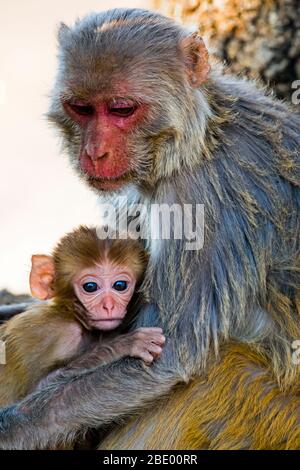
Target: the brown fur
pixel 82 248
pixel 37 341
pixel 236 405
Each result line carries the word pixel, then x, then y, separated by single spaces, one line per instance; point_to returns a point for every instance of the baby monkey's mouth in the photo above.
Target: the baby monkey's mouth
pixel 105 323
pixel 108 319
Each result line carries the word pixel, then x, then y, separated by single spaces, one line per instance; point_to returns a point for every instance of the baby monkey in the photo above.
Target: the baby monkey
pixel 90 283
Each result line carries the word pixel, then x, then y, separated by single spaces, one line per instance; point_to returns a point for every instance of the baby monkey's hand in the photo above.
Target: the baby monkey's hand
pixel 144 343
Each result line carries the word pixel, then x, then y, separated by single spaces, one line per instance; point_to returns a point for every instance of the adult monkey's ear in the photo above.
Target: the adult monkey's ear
pixel 42 276
pixel 196 59
pixel 63 32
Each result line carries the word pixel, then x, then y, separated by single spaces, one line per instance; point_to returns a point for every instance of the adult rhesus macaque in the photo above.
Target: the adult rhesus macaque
pixel 141 113
pixel 90 282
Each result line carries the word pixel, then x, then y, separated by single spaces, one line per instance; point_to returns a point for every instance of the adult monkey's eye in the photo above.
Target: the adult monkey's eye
pixel 122 108
pixel 120 285
pixel 82 109
pixel 124 112
pixel 90 287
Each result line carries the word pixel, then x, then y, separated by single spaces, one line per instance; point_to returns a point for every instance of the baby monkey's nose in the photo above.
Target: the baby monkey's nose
pixel 108 305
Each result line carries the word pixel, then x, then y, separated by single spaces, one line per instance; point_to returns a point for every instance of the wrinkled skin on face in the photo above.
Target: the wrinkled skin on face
pixel 122 102
pixel 105 291
pixel 105 123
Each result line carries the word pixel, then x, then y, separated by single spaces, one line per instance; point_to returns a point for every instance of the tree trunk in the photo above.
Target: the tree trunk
pixel 257 38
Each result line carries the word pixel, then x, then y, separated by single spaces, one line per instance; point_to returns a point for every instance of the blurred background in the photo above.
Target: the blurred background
pixel 40 197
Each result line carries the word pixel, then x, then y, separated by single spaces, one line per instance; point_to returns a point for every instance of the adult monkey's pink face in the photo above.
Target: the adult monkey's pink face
pixel 106 123
pixel 124 94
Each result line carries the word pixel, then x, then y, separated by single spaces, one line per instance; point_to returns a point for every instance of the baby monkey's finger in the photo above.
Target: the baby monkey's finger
pixel 158 339
pixel 154 349
pixel 146 357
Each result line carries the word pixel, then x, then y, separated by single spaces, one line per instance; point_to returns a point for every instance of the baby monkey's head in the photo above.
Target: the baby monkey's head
pixel 101 274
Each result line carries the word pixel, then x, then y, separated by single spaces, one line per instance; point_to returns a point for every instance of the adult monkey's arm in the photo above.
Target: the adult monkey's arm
pixel 56 414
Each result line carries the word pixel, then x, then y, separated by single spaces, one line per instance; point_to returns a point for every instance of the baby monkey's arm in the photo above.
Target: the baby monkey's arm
pixel 142 343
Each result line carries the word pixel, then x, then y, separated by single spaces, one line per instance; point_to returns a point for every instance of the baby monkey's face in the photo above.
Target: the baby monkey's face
pixel 105 291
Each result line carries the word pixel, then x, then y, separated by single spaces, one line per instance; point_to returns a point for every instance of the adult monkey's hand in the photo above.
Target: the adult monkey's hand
pixel 53 417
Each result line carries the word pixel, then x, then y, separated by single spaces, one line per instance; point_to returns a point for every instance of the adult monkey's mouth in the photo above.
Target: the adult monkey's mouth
pixel 109 184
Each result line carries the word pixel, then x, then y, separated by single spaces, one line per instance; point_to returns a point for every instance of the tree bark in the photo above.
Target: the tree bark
pixel 258 38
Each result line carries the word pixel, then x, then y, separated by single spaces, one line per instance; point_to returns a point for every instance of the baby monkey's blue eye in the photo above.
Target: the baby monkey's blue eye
pixel 90 287
pixel 120 285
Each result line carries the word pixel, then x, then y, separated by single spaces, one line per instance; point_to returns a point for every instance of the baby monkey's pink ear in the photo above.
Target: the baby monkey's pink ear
pixel 42 276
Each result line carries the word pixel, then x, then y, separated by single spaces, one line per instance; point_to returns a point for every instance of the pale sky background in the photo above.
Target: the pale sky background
pixel 40 197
